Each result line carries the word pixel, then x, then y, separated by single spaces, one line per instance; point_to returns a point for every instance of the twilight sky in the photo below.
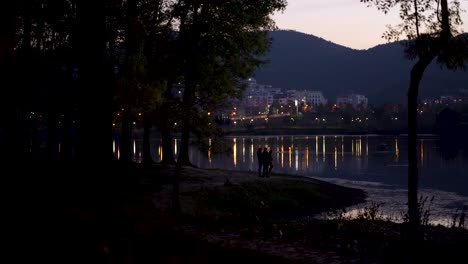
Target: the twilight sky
pixel 345 22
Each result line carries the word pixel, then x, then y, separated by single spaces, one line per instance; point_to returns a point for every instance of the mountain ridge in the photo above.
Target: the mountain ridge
pixel 306 62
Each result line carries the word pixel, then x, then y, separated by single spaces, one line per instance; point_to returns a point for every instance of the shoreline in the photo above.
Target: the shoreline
pixel 196 178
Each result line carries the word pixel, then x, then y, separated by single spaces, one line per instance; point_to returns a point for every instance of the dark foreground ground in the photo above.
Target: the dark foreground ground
pixel 69 213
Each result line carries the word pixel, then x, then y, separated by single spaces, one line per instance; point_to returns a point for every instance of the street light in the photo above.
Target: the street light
pixel 297 110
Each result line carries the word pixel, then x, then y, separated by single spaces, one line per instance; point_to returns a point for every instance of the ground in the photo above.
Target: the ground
pixel 69 213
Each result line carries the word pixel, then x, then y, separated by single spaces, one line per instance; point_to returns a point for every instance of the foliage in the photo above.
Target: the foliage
pixel 425 32
pixel 221 42
pixel 458 218
pixel 258 201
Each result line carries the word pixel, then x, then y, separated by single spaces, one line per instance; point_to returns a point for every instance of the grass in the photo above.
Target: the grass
pixel 254 201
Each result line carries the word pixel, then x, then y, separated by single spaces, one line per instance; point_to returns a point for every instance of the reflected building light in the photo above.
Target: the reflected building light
pixel 243 150
pixel 359 147
pixel 175 147
pixel 307 156
pixel 316 145
pixel 209 150
pixel 397 150
pixel 282 156
pixel 352 147
pixel 297 159
pixel 252 152
pixel 336 158
pixel 290 157
pixel 316 148
pixel 160 152
pixel 113 146
pixel 323 148
pixel 235 152
pixel 59 148
pixel 367 146
pixel 277 153
pixel 421 152
pixel 134 147
pixel 118 153
pixel 342 150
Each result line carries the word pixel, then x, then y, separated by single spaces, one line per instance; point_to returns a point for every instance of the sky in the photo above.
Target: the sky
pixel 346 22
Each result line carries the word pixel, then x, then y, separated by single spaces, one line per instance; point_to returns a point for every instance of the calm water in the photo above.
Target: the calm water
pixel 353 161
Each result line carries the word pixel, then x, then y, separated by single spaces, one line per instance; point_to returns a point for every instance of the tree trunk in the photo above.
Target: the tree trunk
pixel 35 140
pixel 67 145
pixel 146 140
pixel 7 111
pixel 126 138
pixel 183 157
pixel 95 91
pixel 166 126
pixel 189 37
pixel 413 209
pixel 52 147
pixel 417 73
pixel 130 44
pixel 167 152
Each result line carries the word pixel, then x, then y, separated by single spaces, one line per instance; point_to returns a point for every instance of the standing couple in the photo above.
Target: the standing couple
pixel 265 162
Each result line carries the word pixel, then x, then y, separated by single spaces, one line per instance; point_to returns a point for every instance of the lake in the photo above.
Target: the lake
pixel 354 161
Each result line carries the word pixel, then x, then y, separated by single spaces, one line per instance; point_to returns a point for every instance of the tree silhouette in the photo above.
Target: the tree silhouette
pixel 95 97
pixel 430 27
pixel 8 103
pixel 221 42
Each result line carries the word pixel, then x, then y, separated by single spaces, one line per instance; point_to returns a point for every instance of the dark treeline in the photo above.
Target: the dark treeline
pixel 75 71
pixel 76 68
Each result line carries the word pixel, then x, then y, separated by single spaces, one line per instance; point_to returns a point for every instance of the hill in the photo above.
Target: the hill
pixel 301 61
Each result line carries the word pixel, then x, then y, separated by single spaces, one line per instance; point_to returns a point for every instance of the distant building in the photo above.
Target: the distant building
pixel 356 100
pixel 314 98
pixel 342 101
pixel 359 100
pixel 258 95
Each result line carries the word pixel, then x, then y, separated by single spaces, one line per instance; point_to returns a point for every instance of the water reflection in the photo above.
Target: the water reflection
pixel 397 150
pixel 235 152
pixel 243 150
pixel 323 148
pixel 344 160
pixel 336 158
pixel 209 150
pixel 282 153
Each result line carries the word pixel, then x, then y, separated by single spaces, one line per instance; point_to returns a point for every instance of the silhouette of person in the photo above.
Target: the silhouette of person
pixel 270 158
pixel 260 161
pixel 266 162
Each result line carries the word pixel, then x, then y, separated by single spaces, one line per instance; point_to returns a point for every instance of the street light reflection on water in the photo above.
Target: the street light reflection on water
pixel 340 159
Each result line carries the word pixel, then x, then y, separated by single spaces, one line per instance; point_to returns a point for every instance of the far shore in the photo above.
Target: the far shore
pixel 293 131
